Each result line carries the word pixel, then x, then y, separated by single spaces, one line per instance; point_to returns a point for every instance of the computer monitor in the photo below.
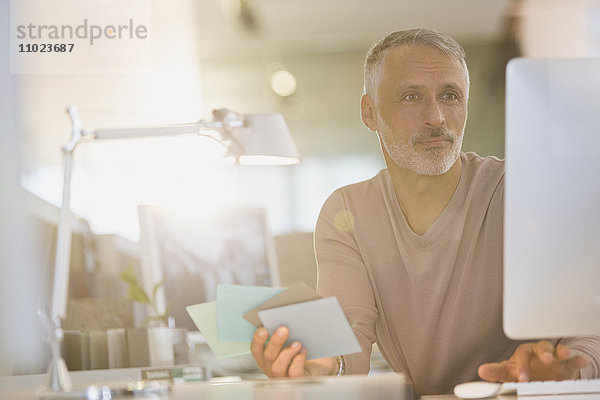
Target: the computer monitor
pixel 191 251
pixel 552 198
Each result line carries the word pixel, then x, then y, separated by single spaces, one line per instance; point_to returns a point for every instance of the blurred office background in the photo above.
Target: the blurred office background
pixel 299 58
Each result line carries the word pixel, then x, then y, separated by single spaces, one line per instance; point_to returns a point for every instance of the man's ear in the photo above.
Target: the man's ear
pixel 368 112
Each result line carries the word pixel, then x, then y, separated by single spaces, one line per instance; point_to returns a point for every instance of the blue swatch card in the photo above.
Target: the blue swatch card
pixel 233 301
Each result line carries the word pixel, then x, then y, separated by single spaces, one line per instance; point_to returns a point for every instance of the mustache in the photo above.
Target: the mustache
pixel 439 132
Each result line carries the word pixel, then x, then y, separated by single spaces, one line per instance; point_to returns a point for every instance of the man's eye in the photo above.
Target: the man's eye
pixel 411 97
pixel 450 96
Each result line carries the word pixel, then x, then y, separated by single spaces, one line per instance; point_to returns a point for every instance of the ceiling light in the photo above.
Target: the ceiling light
pixel 283 83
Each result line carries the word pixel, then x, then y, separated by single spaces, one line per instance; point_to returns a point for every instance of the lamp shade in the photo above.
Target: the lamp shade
pixel 263 140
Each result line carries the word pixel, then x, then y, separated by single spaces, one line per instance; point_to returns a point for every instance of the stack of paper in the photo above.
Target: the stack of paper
pixel 229 323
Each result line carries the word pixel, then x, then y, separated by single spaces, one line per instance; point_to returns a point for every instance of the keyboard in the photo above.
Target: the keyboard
pixel 580 386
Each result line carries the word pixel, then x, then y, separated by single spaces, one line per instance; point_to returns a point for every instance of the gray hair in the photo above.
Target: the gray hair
pixel 411 37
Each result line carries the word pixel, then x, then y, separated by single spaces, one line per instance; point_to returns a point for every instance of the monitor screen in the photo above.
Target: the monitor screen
pixel 191 251
pixel 552 198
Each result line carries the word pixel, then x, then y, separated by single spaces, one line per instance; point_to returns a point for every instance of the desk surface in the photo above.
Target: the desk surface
pixel 384 387
pixel 358 387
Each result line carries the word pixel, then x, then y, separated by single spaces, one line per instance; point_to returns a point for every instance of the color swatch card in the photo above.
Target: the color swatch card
pixel 320 325
pixel 233 301
pixel 204 316
pixel 297 293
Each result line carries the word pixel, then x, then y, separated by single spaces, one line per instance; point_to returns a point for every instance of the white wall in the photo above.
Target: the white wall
pixel 559 28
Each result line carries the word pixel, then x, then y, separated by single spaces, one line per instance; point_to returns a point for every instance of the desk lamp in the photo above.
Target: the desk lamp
pixel 252 139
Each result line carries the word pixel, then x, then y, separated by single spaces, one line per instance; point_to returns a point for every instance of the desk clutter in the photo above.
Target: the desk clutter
pixel 125 348
pixel 226 327
pixel 229 323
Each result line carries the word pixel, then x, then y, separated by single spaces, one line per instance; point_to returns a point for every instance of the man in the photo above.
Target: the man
pixel 414 255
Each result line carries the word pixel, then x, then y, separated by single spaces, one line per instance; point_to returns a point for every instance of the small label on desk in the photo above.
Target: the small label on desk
pixel 186 374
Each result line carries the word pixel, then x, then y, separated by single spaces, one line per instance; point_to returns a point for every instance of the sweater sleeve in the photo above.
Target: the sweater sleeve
pixel 342 273
pixel 588 347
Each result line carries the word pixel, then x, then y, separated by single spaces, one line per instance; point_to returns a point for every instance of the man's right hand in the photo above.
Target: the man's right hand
pixel 277 361
pixel 274 360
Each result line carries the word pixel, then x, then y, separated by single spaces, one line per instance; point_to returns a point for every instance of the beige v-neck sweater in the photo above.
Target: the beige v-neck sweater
pixel 433 303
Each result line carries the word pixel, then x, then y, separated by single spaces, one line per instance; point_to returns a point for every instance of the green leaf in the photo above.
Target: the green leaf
pixel 136 293
pixel 155 289
pixel 128 275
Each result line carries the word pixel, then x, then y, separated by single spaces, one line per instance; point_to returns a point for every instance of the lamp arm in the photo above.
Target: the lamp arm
pixel 63 236
pixel 63 246
pixel 218 130
pixel 226 136
pixel 57 378
pixel 145 132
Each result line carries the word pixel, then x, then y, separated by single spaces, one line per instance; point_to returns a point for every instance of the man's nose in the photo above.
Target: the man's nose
pixel 434 115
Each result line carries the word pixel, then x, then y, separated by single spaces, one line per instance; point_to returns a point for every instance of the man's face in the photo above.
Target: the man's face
pixel 421 109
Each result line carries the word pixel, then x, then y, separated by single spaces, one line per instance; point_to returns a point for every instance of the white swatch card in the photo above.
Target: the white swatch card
pixel 320 325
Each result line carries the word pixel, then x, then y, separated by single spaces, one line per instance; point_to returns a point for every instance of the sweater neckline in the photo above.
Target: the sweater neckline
pixel 439 225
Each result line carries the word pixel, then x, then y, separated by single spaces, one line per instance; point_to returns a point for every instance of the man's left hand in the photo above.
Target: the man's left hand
pixel 539 361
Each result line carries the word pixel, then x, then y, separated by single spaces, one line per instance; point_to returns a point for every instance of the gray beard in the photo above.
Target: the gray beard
pixel 434 161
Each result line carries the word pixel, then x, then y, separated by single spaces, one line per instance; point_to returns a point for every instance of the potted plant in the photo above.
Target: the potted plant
pixel 157 334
